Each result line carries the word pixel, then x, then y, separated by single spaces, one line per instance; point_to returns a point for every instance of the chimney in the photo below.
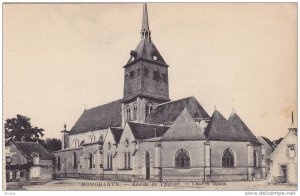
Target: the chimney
pixel 64 137
pixel 35 158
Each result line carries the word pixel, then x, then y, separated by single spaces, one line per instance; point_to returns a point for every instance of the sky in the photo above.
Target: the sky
pixel 59 59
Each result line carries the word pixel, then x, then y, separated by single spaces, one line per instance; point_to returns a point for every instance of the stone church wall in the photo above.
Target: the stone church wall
pixel 195 149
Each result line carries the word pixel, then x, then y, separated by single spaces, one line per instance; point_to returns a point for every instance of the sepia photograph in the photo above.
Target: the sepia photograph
pixel 150 96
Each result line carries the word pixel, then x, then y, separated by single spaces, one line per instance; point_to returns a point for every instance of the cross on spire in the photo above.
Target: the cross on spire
pixel 145 32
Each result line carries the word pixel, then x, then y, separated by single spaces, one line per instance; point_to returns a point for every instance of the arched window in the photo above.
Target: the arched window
pixel 58 163
pixel 254 159
pixel 74 160
pixel 128 112
pixel 92 138
pixel 149 108
pixel 82 142
pixel 90 160
pixel 147 159
pixel 101 139
pixel 182 159
pixel 134 111
pixel 76 143
pixel 228 158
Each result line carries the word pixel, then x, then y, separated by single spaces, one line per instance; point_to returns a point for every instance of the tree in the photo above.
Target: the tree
pixel 51 144
pixel 20 128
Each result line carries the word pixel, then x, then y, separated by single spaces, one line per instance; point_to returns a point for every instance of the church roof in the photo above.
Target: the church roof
pixel 169 111
pixel 267 141
pixel 104 116
pixel 33 147
pixel 146 131
pixel 243 131
pixel 144 94
pixel 234 129
pixel 117 133
pixel 146 50
pixel 184 128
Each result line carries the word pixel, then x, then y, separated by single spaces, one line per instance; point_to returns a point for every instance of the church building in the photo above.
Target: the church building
pixel 147 136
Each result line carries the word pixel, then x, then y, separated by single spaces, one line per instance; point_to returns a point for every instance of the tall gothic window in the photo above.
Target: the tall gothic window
pixel 128 112
pixel 254 159
pixel 228 158
pixel 182 159
pixel 127 160
pixel 109 162
pixel 146 72
pixel 156 76
pixel 134 111
pixel 74 160
pixel 149 108
pixel 90 160
pixel 58 163
pixel 131 74
pixel 94 160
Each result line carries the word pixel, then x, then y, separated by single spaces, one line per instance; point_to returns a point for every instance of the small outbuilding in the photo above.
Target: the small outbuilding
pixel 27 161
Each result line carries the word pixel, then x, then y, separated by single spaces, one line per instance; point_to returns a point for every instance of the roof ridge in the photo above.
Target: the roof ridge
pixel 26 142
pixel 144 123
pixel 104 104
pixel 45 149
pixel 174 100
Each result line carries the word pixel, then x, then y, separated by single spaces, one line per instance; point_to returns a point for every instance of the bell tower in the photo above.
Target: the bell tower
pixel 145 77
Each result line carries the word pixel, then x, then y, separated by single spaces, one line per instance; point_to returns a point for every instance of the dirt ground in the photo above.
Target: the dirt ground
pixel 81 184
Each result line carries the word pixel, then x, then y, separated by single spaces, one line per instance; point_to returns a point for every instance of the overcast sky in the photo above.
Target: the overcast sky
pixel 62 58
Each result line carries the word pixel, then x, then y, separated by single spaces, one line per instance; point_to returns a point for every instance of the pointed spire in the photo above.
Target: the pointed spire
pixel 293 128
pixel 145 32
pixel 145 25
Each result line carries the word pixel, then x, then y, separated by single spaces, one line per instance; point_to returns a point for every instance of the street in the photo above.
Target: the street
pixel 82 184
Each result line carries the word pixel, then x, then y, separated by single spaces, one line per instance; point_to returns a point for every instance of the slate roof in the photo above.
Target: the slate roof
pixel 277 142
pixel 268 141
pixel 117 133
pixel 184 128
pixel 146 50
pixel 104 116
pixel 234 129
pixel 243 132
pixel 169 111
pixel 29 147
pixel 144 94
pixel 146 131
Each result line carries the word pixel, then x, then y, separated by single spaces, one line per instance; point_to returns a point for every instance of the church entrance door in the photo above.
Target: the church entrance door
pixel 147 165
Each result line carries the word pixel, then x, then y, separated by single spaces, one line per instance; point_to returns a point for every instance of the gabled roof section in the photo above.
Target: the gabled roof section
pixel 184 128
pixel 243 132
pixel 117 133
pixel 234 129
pixel 33 147
pixel 104 116
pixel 147 50
pixel 267 141
pixel 218 127
pixel 289 139
pixel 169 111
pixel 146 131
